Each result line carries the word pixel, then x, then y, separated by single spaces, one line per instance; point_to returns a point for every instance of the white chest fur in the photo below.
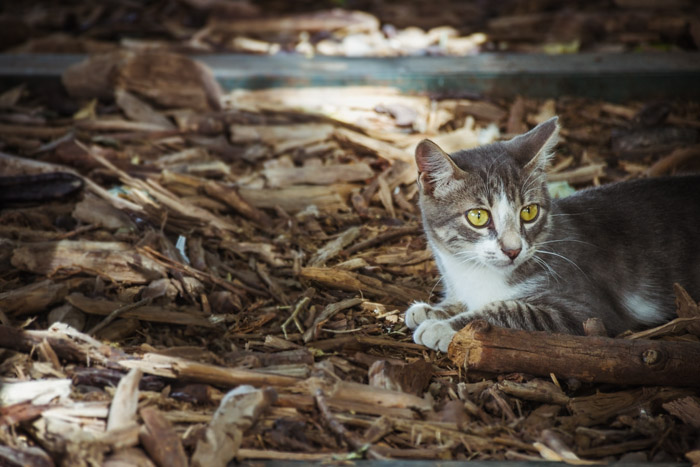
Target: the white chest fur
pixel 476 285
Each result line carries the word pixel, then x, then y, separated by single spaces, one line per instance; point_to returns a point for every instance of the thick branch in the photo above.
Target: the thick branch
pixel 480 346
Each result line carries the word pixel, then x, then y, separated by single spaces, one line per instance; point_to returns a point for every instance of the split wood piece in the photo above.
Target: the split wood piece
pixel 281 138
pixel 313 22
pixel 122 410
pixel 536 390
pixel 600 407
pixel 594 327
pixel 12 414
pixel 481 109
pixel 14 164
pixel 77 436
pixel 115 261
pixel 675 326
pixel 687 409
pixel 317 174
pixel 38 188
pixel 412 378
pixel 480 346
pixel 235 201
pixel 327 313
pixel 382 237
pixel 238 411
pixel 436 431
pixel 342 432
pixel 140 111
pixel 302 401
pixel 617 449
pixel 21 456
pixel 32 298
pixel 65 341
pixel 186 370
pixel 584 174
pixel 150 313
pixel 167 79
pixel 269 454
pixel 203 276
pixel 687 307
pixel 96 211
pixel 364 394
pixel 39 392
pixel 334 247
pixel 351 105
pixel 167 199
pixel 43 132
pixel 329 198
pixel 117 124
pixel 375 146
pixel 354 282
pixel 677 157
pixel 365 341
pixel 160 440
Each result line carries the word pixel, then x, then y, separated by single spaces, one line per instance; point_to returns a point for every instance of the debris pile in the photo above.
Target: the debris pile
pixel 193 276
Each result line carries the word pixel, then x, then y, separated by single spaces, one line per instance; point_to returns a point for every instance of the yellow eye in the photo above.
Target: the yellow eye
pixel 478 217
pixel 529 213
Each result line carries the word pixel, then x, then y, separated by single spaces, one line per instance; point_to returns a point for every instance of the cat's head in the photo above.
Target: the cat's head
pixel 488 205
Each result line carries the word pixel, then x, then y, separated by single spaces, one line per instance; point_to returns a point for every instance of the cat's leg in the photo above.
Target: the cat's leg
pixel 437 334
pixel 421 311
pixel 518 314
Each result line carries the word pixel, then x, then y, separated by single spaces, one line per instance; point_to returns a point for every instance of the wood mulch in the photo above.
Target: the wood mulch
pixel 193 276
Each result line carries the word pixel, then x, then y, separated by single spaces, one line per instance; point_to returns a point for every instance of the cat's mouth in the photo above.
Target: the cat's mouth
pixel 507 264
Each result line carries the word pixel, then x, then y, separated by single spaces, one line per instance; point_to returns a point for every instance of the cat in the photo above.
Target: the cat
pixel 509 254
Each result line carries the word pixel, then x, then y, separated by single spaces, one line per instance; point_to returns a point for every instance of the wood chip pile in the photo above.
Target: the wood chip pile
pixel 269 241
pixel 381 28
pixel 189 276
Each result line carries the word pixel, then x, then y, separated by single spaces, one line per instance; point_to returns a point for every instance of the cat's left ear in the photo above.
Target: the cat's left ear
pixel 436 169
pixel 534 148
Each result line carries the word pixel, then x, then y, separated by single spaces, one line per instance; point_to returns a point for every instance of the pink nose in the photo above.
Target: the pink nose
pixel 512 254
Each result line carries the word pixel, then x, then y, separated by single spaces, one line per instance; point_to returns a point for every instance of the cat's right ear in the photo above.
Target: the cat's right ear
pixel 436 169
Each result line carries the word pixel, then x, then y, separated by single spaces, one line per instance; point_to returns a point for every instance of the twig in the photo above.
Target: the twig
pixel 382 237
pixel 301 305
pixel 164 260
pixel 341 431
pixel 116 313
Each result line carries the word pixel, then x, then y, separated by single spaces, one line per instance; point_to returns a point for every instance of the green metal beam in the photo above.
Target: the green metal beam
pixel 616 77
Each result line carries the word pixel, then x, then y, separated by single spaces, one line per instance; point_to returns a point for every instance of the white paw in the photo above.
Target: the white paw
pixel 433 333
pixel 416 314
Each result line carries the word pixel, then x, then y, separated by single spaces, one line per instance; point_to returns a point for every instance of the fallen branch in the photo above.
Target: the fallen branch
pixel 342 432
pixel 480 346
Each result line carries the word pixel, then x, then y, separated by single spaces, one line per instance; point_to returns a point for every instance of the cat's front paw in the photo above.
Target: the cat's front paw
pixel 420 312
pixel 436 334
pixel 416 314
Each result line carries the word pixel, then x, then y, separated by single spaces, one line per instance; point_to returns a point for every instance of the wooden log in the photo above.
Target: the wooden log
pixel 480 346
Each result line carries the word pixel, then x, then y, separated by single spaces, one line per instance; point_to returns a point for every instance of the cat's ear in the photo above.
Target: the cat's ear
pixel 534 148
pixel 436 169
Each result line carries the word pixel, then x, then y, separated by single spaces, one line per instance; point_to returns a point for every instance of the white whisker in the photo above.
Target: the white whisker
pixel 563 240
pixel 564 258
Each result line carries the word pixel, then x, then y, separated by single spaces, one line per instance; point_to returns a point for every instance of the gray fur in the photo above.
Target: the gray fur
pixel 611 252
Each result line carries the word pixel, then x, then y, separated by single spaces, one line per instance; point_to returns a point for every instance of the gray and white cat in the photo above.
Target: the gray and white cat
pixel 513 256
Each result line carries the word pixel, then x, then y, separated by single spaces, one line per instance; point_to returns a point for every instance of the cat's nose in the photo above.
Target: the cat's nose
pixel 511 253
